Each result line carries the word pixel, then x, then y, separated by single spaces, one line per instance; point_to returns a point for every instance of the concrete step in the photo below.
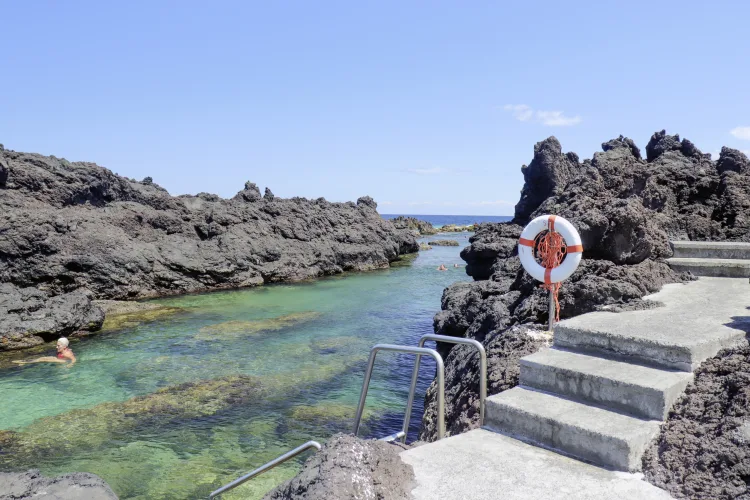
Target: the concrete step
pixel 586 432
pixel 711 249
pixel 634 389
pixel 720 268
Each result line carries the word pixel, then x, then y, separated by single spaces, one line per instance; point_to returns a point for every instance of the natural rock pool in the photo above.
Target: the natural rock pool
pixel 188 399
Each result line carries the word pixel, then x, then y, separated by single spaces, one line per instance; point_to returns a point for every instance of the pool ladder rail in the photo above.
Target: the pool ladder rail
pixel 439 374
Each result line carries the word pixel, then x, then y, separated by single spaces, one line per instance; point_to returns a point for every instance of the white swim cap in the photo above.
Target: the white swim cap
pixel 63 341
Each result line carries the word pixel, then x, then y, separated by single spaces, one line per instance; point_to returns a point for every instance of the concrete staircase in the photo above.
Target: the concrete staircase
pixel 603 389
pixel 598 395
pixel 712 258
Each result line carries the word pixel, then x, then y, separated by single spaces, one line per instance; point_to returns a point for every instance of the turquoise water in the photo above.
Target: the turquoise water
pixel 175 406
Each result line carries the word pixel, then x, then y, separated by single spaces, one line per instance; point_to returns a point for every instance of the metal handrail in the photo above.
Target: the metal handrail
pixel 419 351
pixel 270 465
pixel 415 373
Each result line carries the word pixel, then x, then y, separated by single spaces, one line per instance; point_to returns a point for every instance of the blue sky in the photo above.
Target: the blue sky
pixel 429 107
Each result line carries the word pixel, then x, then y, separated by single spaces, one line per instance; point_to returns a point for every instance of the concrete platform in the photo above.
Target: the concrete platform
pixel 698 319
pixel 586 432
pixel 638 390
pixel 727 268
pixel 711 249
pixel 483 465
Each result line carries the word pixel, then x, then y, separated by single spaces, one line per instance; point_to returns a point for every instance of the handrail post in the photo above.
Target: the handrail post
pixel 415 373
pixel 270 465
pixel 419 351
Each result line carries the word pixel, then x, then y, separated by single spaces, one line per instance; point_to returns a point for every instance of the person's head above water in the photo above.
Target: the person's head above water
pixel 62 344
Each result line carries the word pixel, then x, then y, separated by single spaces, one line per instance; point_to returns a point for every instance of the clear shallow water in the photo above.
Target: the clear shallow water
pixel 175 407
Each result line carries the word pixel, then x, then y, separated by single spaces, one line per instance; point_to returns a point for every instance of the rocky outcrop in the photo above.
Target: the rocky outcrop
pixel 443 243
pixel 31 317
pixel 626 210
pixel 75 486
pixel 349 467
pixel 73 226
pixel 418 227
pixel 703 450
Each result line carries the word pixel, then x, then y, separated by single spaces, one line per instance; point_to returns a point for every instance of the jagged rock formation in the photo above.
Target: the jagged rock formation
pixel 348 467
pixel 626 210
pixel 443 243
pixel 703 450
pixel 77 226
pixel 75 486
pixel 30 317
pixel 418 227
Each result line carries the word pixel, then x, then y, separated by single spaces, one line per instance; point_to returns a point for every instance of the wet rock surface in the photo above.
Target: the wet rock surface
pixel 349 467
pixel 73 226
pixel 75 486
pixel 703 450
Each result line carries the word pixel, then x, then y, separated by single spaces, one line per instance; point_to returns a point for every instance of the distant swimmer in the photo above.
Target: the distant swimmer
pixel 455 265
pixel 442 268
pixel 64 354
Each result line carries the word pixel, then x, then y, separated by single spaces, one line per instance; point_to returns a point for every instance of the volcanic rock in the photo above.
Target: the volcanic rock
pixel 31 317
pixel 443 243
pixel 347 468
pixel 419 227
pixel 75 486
pixel 626 210
pixel 703 450
pixel 70 226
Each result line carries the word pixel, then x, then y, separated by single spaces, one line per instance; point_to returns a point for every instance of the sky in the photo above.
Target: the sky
pixel 428 107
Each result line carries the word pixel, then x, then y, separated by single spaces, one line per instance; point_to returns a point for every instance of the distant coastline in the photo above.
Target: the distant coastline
pixel 459 220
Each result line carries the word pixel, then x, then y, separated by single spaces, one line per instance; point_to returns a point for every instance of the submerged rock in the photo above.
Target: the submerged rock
pixel 75 486
pixel 703 449
pixel 231 329
pixel 124 314
pixel 347 468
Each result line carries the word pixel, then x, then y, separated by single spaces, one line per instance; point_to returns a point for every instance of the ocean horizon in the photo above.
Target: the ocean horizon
pixel 460 220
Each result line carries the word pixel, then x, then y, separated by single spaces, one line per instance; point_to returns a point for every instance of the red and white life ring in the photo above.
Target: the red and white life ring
pixel 572 240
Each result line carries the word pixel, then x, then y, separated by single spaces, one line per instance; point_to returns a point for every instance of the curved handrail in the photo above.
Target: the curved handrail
pixel 270 465
pixel 415 373
pixel 419 351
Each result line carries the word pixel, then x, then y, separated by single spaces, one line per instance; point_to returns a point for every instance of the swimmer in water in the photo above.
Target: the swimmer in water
pixel 64 354
pixel 442 268
pixel 455 265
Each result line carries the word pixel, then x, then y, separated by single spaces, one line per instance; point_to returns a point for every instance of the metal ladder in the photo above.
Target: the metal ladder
pixel 270 465
pixel 439 374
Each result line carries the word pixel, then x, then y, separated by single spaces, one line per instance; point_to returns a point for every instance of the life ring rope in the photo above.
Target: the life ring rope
pixel 560 250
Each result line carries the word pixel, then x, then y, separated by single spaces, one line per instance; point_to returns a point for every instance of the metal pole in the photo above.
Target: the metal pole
pixel 551 310
pixel 270 465
pixel 440 375
pixel 415 373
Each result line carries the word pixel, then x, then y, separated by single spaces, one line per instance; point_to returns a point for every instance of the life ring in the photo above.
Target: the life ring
pixel 572 240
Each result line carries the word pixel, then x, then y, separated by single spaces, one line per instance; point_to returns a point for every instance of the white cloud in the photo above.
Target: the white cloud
pixel 386 203
pixel 521 112
pixel 524 113
pixel 414 203
pixel 557 119
pixel 741 133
